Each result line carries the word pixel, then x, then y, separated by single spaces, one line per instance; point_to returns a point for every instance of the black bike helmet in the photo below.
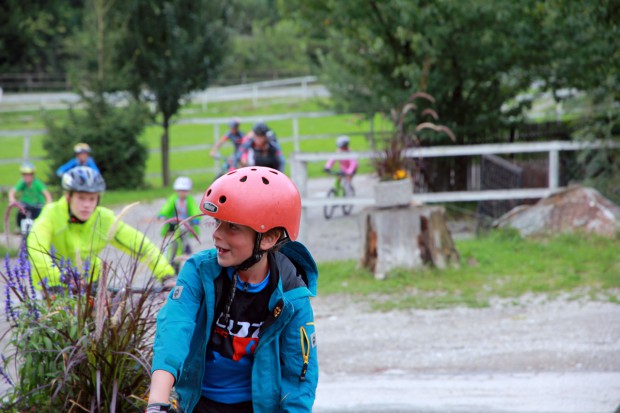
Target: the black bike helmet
pixel 260 129
pixel 83 179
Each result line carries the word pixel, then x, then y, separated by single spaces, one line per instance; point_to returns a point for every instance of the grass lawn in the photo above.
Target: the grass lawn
pixel 201 134
pixel 500 264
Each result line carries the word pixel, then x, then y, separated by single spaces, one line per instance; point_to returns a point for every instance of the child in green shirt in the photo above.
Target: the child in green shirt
pixel 179 206
pixel 33 193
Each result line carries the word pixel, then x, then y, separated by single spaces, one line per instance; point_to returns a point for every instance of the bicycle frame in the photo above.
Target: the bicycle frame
pixel 341 188
pixel 25 225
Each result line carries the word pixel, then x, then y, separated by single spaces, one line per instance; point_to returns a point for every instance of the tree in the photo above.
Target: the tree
pixel 32 33
pixel 110 123
pixel 112 133
pixel 473 57
pixel 169 49
pixel 584 38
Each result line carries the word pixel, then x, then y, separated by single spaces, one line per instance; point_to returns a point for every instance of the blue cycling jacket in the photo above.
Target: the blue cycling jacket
pixel 62 169
pixel 285 371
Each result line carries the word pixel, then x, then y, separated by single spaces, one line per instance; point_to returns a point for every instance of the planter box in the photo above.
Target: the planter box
pixel 390 194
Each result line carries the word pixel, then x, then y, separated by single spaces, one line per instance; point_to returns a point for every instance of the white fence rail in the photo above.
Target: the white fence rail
pixel 299 170
pixel 299 87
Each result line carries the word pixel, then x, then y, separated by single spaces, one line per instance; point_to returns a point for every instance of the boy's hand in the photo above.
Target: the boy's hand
pixel 160 407
pixel 327 170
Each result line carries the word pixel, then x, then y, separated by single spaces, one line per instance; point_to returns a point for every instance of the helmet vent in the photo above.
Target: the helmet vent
pixel 222 199
pixel 209 192
pixel 243 179
pixel 265 180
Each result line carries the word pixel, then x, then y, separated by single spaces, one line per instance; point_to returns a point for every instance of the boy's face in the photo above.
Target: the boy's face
pixel 28 178
pixel 82 157
pixel 182 194
pixel 83 204
pixel 234 243
pixel 260 141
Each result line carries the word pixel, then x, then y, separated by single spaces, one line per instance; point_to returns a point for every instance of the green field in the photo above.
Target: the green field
pixel 200 134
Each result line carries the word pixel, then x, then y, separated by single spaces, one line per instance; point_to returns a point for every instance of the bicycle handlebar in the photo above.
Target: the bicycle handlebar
pixel 334 173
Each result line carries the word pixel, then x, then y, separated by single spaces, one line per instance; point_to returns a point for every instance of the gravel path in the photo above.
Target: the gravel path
pixel 536 355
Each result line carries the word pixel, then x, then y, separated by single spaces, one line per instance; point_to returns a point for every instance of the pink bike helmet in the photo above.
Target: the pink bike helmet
pixel 256 196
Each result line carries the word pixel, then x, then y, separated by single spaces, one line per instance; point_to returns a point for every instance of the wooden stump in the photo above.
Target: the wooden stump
pixel 406 237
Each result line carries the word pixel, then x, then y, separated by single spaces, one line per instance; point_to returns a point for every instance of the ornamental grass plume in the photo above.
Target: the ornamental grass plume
pixel 81 347
pixel 394 163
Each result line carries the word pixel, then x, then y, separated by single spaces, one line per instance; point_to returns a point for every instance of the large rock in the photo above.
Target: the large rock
pixel 573 209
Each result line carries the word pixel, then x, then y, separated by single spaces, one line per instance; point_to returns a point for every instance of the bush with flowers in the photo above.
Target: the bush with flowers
pixel 79 348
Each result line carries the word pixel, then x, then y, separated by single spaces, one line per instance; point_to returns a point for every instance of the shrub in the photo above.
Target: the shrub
pixel 112 133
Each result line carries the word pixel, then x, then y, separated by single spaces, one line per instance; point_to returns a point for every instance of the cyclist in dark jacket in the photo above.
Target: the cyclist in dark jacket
pixel 260 149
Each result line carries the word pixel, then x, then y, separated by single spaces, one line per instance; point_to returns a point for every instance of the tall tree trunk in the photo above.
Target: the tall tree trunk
pixel 165 149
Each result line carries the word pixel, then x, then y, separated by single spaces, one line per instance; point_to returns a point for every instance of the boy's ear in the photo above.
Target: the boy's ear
pixel 270 238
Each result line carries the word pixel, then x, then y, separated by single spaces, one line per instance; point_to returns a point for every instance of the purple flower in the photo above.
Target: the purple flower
pixel 22 270
pixel 3 373
pixel 11 314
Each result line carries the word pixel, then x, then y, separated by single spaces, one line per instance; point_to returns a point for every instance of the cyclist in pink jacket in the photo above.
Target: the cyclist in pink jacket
pixel 347 166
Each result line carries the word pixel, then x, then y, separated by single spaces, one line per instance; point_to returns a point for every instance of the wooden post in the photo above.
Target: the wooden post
pixel 406 237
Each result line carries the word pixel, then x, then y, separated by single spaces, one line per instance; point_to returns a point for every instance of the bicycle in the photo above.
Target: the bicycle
pixel 176 245
pixel 24 225
pixel 223 165
pixel 341 188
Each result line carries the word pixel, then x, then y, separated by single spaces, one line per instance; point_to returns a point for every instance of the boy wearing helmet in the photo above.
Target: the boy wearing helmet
pixel 75 227
pixel 34 193
pixel 82 158
pixel 237 332
pixel 348 167
pixel 180 206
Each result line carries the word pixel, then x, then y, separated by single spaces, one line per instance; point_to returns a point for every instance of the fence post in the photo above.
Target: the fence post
pixel 204 100
pixel 26 149
pixel 255 95
pixel 304 88
pixel 296 144
pixel 299 176
pixel 554 169
pixel 371 135
pixel 216 137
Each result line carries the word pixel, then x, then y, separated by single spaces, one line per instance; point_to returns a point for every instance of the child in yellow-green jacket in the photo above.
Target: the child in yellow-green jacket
pixel 75 227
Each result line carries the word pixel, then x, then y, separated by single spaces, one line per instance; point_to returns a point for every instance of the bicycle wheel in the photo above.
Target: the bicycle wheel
pixel 328 210
pixel 349 192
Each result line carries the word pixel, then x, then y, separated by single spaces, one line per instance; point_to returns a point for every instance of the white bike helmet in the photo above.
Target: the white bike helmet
pixel 182 183
pixel 342 141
